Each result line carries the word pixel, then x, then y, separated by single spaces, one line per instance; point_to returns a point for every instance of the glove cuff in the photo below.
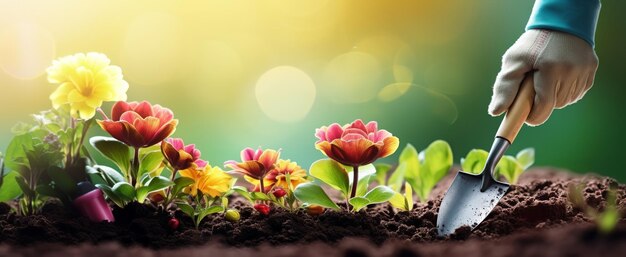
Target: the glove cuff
pixel 576 17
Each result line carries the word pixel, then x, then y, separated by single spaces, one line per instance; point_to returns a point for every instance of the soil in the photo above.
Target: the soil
pixel 534 218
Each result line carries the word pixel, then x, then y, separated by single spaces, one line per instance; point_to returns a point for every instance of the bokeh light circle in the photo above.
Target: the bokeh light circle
pixel 353 77
pixel 285 93
pixel 26 49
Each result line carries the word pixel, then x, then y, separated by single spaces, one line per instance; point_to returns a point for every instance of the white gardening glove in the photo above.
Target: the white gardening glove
pixel 564 67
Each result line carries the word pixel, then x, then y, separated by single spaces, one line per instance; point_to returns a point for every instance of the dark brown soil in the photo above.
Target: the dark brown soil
pixel 534 217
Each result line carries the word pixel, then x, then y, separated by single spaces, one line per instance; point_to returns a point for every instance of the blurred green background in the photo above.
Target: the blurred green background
pixel 267 73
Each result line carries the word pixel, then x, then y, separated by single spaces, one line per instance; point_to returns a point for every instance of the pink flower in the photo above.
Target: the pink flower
pixel 181 156
pixel 255 164
pixel 355 144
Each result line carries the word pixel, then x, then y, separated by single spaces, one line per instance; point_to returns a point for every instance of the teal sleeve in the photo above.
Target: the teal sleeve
pixel 577 17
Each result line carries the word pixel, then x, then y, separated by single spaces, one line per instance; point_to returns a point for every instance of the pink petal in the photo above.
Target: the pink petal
pixel 320 133
pixel 118 109
pixel 201 163
pixel 371 126
pixel 177 143
pixel 358 124
pixel 144 109
pixel 334 131
pixel 247 154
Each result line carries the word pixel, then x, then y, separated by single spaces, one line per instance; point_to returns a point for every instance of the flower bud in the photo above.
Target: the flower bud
pixel 232 215
pixel 262 208
pixel 279 192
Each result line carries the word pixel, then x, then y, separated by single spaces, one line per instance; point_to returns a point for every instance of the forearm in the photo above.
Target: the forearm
pixel 576 17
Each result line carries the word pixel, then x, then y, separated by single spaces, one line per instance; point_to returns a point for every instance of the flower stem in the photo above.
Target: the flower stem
pixel 355 180
pixel 135 169
pixel 261 184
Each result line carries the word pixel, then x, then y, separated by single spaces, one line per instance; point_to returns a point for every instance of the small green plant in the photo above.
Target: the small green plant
pixel 422 171
pixel 117 185
pixel 335 175
pixel 404 201
pixel 607 219
pixel 509 167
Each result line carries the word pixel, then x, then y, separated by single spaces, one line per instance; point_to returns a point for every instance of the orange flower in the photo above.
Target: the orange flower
pixel 355 144
pixel 139 124
pixel 211 181
pixel 277 177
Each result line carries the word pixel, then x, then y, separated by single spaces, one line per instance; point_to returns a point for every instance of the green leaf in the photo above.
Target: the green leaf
pixel 332 173
pixel 396 179
pixel 313 194
pixel 437 162
pixel 151 162
pixel 410 158
pixel 526 157
pixel 47 191
pixel 258 196
pixel 9 189
pixel 358 203
pixel 62 180
pixel 17 148
pixel 94 176
pixel 114 150
pixel 408 196
pixel 398 201
pixel 111 175
pixel 154 184
pixel 124 191
pixel 24 186
pixel 186 209
pixel 111 195
pixel 364 183
pixel 607 220
pixel 205 212
pixel 242 191
pixel 381 172
pixel 379 194
pixel 475 161
pixel 179 184
pixel 509 168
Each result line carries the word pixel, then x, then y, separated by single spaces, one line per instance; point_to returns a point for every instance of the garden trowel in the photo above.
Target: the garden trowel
pixel 470 198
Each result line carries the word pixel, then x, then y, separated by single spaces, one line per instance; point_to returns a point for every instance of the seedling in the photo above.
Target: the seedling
pixel 605 219
pixel 509 167
pixel 421 171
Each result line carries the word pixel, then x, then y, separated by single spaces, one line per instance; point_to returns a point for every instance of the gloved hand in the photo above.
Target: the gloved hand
pixel 564 67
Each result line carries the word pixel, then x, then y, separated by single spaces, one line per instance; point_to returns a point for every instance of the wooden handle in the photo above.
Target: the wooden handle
pixel 519 110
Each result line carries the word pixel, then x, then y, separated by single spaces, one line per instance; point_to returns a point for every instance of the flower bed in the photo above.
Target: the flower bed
pixel 164 195
pixel 537 213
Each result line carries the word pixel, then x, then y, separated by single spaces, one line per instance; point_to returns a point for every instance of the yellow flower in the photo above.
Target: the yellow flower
pixel 211 181
pixel 85 81
pixel 277 176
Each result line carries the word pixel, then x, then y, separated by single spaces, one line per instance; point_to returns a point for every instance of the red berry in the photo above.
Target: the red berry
pixel 262 208
pixel 279 192
pixel 173 223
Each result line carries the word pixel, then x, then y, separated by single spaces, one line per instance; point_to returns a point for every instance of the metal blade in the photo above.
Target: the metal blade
pixel 465 205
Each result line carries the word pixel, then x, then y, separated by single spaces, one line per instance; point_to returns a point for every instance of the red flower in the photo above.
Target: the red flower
pixel 355 144
pixel 181 156
pixel 139 124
